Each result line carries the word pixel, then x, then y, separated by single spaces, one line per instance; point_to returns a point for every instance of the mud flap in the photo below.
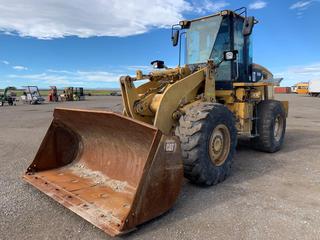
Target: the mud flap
pixel 111 170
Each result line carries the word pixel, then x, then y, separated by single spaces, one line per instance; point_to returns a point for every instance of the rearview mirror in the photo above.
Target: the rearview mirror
pixel 248 26
pixel 175 37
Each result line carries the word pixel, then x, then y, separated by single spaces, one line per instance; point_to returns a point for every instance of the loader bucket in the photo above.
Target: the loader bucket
pixel 111 170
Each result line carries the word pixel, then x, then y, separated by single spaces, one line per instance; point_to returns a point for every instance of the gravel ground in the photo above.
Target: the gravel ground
pixel 268 196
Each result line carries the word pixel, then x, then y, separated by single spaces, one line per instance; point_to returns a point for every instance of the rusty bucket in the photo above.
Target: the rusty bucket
pixel 111 170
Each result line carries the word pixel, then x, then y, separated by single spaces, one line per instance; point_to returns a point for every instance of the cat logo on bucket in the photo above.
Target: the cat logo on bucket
pixel 170 146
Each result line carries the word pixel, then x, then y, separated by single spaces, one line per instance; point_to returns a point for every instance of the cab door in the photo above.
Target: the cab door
pixel 241 68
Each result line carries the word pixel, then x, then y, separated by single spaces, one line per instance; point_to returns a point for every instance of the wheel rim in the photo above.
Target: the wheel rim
pixel 219 144
pixel 278 128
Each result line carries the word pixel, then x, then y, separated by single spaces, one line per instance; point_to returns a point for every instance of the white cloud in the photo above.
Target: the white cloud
pixel 65 78
pixel 302 73
pixel 48 19
pixel 98 76
pixel 42 78
pixel 60 71
pixel 145 68
pixel 301 5
pixel 258 5
pixel 206 6
pixel 20 68
pixel 5 62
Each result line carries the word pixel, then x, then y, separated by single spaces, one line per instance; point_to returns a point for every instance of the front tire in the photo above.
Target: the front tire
pixel 271 126
pixel 208 139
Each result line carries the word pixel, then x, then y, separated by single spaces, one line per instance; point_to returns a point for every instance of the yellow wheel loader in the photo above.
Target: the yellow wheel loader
pixel 120 170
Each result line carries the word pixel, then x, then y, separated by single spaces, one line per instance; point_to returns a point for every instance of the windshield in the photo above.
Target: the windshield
pixel 201 37
pixel 34 91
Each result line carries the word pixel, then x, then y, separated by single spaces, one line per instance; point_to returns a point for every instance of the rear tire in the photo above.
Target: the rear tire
pixel 271 126
pixel 208 139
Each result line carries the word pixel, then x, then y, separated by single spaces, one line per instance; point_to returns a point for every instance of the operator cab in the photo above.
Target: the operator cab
pixel 223 38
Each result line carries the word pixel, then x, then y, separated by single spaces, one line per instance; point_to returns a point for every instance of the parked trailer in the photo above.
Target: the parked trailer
pixel 314 88
pixel 282 90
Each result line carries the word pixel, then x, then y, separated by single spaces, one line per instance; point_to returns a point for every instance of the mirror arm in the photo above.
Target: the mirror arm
pixel 180 47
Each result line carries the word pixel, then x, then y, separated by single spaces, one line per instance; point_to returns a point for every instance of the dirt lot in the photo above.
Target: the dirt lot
pixel 268 196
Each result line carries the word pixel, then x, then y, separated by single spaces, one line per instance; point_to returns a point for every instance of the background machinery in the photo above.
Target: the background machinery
pixel 67 94
pixel 53 95
pixel 300 88
pixel 31 95
pixel 118 171
pixel 8 96
pixel 115 93
pixel 78 94
pixel 73 94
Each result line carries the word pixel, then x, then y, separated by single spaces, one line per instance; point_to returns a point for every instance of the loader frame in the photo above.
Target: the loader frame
pixel 119 171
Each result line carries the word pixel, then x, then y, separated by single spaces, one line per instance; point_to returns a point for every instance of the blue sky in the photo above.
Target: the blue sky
pixel 71 43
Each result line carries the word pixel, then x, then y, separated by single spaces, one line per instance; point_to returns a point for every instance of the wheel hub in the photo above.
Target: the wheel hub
pixel 219 144
pixel 278 128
